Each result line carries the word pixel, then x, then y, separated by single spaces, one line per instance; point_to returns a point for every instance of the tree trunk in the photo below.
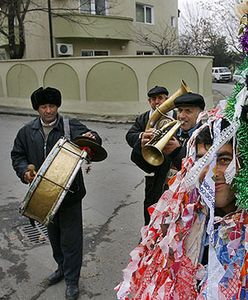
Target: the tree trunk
pixel 16 49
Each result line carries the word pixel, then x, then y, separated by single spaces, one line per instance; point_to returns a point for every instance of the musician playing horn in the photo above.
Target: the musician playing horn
pixel 188 106
pixel 32 144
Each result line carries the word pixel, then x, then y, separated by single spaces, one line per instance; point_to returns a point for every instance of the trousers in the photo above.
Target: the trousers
pixel 65 233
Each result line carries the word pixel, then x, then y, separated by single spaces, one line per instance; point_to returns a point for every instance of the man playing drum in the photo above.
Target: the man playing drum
pixel 32 145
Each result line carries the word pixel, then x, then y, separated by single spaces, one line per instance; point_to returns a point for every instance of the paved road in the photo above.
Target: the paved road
pixel 112 220
pixel 222 90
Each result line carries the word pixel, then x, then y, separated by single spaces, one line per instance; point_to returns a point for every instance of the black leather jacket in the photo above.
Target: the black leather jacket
pixel 30 147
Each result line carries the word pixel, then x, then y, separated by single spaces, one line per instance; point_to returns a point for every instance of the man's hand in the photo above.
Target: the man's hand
pixel 89 135
pixel 146 136
pixel 29 174
pixel 171 146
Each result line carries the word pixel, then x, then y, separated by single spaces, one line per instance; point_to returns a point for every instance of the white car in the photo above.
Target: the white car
pixel 239 75
pixel 221 74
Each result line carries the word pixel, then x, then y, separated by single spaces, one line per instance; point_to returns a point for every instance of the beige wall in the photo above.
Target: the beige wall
pixel 163 10
pixel 121 8
pixel 106 33
pixel 114 47
pixel 104 85
pixel 37 33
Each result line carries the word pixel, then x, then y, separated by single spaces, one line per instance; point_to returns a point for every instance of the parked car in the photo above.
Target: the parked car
pixel 239 75
pixel 221 74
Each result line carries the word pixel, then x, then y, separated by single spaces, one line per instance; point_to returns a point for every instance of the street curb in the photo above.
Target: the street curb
pixel 4 110
pixel 113 119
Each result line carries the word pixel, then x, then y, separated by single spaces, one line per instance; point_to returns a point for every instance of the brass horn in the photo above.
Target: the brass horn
pixel 153 150
pixel 167 105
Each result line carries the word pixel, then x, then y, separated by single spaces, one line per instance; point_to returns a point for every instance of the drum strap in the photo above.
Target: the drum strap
pixel 66 128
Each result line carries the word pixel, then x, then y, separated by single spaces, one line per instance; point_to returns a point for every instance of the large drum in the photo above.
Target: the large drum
pixel 52 181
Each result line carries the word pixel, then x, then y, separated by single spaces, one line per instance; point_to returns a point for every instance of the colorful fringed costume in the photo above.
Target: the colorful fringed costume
pixel 167 263
pixel 171 262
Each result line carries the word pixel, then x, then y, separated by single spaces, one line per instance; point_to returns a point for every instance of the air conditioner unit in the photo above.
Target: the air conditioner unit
pixel 64 49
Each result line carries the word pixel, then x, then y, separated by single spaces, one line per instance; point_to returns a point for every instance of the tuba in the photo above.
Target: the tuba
pixel 152 151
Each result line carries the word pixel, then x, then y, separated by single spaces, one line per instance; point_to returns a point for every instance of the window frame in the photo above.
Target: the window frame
pixel 173 22
pixel 145 53
pixel 93 52
pixel 145 7
pixel 92 9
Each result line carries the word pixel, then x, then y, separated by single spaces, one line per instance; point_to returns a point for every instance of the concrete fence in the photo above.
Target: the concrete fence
pixel 103 85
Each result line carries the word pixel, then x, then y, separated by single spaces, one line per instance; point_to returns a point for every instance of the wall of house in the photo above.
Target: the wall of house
pixel 114 47
pixel 163 10
pixel 111 30
pixel 37 33
pixel 103 85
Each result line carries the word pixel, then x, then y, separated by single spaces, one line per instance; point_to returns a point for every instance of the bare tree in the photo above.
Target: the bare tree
pixel 12 15
pixel 163 41
pixel 205 22
pixel 197 39
pixel 211 28
pixel 224 20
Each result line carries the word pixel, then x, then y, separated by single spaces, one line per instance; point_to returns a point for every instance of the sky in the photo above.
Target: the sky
pixel 182 2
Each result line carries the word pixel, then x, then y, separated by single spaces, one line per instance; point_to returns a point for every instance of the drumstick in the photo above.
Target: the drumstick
pixel 31 168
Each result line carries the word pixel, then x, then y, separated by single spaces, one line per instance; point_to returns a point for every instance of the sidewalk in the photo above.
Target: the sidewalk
pixel 121 119
pixel 111 226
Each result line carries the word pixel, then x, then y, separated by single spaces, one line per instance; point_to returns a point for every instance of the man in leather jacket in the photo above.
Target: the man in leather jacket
pixel 32 145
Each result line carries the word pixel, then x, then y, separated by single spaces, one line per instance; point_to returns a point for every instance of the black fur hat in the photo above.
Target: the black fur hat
pixel 48 95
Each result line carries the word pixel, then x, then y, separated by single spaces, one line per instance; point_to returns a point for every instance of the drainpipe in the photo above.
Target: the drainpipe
pixel 50 27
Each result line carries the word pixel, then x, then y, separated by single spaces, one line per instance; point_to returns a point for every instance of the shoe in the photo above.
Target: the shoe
pixel 72 292
pixel 55 277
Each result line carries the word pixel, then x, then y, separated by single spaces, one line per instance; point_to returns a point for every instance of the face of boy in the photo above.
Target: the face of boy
pixel 224 195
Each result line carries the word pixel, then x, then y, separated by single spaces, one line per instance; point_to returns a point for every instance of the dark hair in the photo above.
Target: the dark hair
pixel 205 137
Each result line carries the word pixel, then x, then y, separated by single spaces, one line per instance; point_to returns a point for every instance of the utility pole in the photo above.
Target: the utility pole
pixel 50 27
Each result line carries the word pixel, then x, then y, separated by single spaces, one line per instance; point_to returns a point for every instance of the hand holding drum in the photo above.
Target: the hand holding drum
pixel 30 174
pixel 89 135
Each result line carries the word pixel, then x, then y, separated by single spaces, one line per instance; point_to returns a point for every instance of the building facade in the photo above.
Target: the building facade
pixel 74 28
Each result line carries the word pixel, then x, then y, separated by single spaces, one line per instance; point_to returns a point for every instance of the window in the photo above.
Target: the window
pixel 95 52
pixel 100 7
pixel 94 7
pixel 173 22
pixel 145 52
pixel 87 53
pixel 85 6
pixel 144 13
pixel 101 52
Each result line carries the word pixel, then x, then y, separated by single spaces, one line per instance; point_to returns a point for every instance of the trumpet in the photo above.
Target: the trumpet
pixel 152 151
pixel 167 105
